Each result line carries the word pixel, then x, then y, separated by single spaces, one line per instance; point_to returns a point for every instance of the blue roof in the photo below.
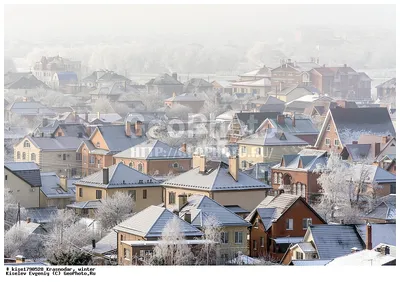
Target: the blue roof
pixel 67 76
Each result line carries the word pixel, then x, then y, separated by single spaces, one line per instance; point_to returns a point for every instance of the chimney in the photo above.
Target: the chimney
pixel 93 243
pixel 182 200
pixel 188 217
pixel 87 117
pixel 294 120
pixel 173 94
pixel 63 183
pixel 28 220
pixel 368 241
pixel 42 134
pixel 138 128
pixel 183 147
pixel 75 116
pixel 266 177
pixel 195 160
pixel 128 132
pixel 355 142
pixel 19 259
pixel 45 122
pixel 24 99
pixel 234 166
pixel 377 149
pixel 88 130
pixel 105 175
pixel 175 75
pixel 385 139
pixel 202 164
pixel 280 119
pixel 98 115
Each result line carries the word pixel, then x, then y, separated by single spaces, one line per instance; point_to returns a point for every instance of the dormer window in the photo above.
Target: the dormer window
pixel 27 144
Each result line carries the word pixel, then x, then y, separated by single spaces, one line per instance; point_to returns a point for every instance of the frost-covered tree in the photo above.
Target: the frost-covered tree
pixel 212 233
pixel 103 106
pixel 11 209
pixel 172 249
pixel 115 209
pixel 152 100
pixel 66 237
pixel 179 111
pixel 14 239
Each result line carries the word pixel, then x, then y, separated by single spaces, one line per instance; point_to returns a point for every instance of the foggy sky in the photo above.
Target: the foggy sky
pixel 49 21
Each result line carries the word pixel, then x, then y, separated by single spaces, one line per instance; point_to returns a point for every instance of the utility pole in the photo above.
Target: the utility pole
pixel 19 214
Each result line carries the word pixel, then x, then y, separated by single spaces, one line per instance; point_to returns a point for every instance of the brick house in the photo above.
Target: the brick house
pixel 105 141
pixel 344 125
pixel 222 182
pixel 292 73
pixel 144 190
pixel 138 235
pixel 342 82
pixel 296 173
pixel 277 222
pixel 154 157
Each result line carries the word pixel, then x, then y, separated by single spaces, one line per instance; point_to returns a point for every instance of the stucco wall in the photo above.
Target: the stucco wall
pixel 22 190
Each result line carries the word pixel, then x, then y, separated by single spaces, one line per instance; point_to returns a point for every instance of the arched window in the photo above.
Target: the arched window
pixel 303 190
pixel 175 165
pixel 33 157
pixel 24 156
pixel 298 190
pixel 140 167
pixel 131 164
pixel 294 187
pixel 18 155
pixel 275 178
pixel 280 178
pixel 27 144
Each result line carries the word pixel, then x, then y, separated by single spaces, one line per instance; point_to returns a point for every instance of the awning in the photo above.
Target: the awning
pixel 288 240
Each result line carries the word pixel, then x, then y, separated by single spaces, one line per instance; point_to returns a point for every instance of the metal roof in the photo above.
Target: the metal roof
pixel 372 173
pixel 381 233
pixel 287 240
pixel 216 178
pixel 152 150
pixel 296 126
pixel 116 139
pixel 332 241
pixel 272 137
pixel 314 262
pixel 73 130
pixel 120 176
pixel 61 143
pixel 386 209
pixel 363 258
pixel 41 215
pixel 200 207
pixel 93 204
pixel 106 244
pixel 164 79
pixel 51 187
pixel 27 171
pixel 150 222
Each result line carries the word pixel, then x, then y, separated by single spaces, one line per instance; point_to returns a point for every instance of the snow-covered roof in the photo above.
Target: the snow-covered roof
pixel 273 137
pixel 363 258
pixel 385 210
pixel 381 233
pixel 244 260
pixel 264 82
pixel 106 244
pixel 314 262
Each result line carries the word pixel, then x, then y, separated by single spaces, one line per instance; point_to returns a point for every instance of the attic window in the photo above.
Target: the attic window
pixel 282 136
pixel 328 128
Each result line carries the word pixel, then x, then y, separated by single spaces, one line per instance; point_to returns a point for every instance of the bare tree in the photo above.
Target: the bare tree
pixel 172 249
pixel 11 209
pixel 212 234
pixel 14 239
pixel 115 209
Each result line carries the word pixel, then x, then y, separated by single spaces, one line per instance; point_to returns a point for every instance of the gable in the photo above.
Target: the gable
pixel 98 137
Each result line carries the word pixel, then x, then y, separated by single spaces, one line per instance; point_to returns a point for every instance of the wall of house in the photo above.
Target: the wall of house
pixel 309 138
pixel 154 195
pixel 98 138
pixel 164 167
pixel 135 163
pixel 60 203
pixel 331 135
pixel 123 236
pixel 258 232
pixel 181 191
pixel 28 151
pixel 230 249
pixel 21 190
pixel 285 75
pixel 247 199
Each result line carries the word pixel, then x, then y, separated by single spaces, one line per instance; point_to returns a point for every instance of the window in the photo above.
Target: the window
pixel 145 194
pixel 140 167
pixel 98 194
pixel 244 149
pixel 127 254
pixel 64 157
pixel 307 222
pixel 244 163
pixel 131 164
pixel 279 178
pixel 175 165
pixel 393 188
pixel 238 237
pixel 336 142
pixel 80 192
pixel 23 155
pixel 269 151
pixel 98 144
pixel 275 178
pixel 327 141
pixel 328 128
pixel 27 144
pixel 224 237
pixel 92 159
pixel 289 224
pixel 258 151
pixel 254 245
pixel 171 197
pixel 132 193
pixel 33 157
pixel 5 177
pixel 84 212
pixel 262 242
pixel 299 255
pixel 18 155
pixel 78 156
pixel 303 190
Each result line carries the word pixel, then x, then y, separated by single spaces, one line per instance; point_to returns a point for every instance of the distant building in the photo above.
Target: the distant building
pixel 264 72
pixel 292 73
pixel 165 85
pixel 387 90
pixel 47 67
pixel 104 78
pixel 292 92
pixel 56 191
pixel 222 86
pixel 197 85
pixel 193 101
pixel 258 87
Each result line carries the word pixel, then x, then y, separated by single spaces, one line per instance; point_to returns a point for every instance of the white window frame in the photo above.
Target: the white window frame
pixel 327 141
pixel 237 237
pixel 289 224
pixel 305 220
pixel 336 142
pixel 244 150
